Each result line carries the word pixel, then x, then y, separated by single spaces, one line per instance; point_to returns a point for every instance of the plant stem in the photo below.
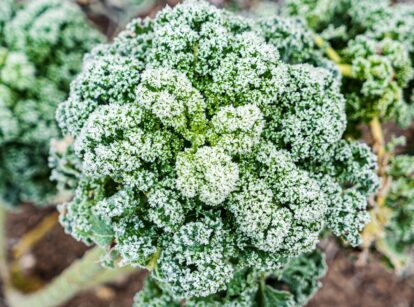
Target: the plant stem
pixel 109 275
pixel 261 291
pixel 379 144
pixel 81 275
pixel 330 52
pixel 4 271
pixel 35 235
pixel 153 260
pixel 346 70
pixel 380 214
pixel 25 244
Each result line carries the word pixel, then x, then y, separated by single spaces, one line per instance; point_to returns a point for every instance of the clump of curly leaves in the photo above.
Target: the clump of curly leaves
pixel 41 50
pixel 208 152
pixel 399 234
pixel 64 164
pixel 292 286
pixel 7 9
pixel 376 38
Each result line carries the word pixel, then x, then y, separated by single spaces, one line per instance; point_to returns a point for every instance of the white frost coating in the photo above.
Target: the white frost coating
pixel 171 97
pixel 260 218
pixel 202 246
pixel 166 209
pixel 117 205
pixel 209 173
pixel 237 130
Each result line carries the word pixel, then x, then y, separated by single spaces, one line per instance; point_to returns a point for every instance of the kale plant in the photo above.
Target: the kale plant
pixel 375 53
pixel 41 50
pixel 211 153
pixel 376 47
pixel 401 201
pixel 397 238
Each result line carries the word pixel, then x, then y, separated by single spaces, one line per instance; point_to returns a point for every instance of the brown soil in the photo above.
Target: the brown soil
pixel 53 253
pixel 347 285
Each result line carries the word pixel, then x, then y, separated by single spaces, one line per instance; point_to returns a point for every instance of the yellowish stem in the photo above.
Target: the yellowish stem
pixel 26 243
pixel 153 261
pixel 330 52
pixel 32 237
pixel 379 144
pixel 374 232
pixel 23 282
pixel 4 268
pixel 81 275
pixel 346 70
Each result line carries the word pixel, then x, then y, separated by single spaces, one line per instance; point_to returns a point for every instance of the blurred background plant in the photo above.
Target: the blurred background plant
pixel 42 44
pixel 42 47
pixel 372 44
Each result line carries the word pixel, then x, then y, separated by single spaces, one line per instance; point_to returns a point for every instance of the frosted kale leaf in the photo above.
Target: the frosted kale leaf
pixel 209 174
pixel 352 178
pixel 65 165
pixel 303 275
pixel 236 130
pixel 197 260
pixel 45 30
pixel 294 286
